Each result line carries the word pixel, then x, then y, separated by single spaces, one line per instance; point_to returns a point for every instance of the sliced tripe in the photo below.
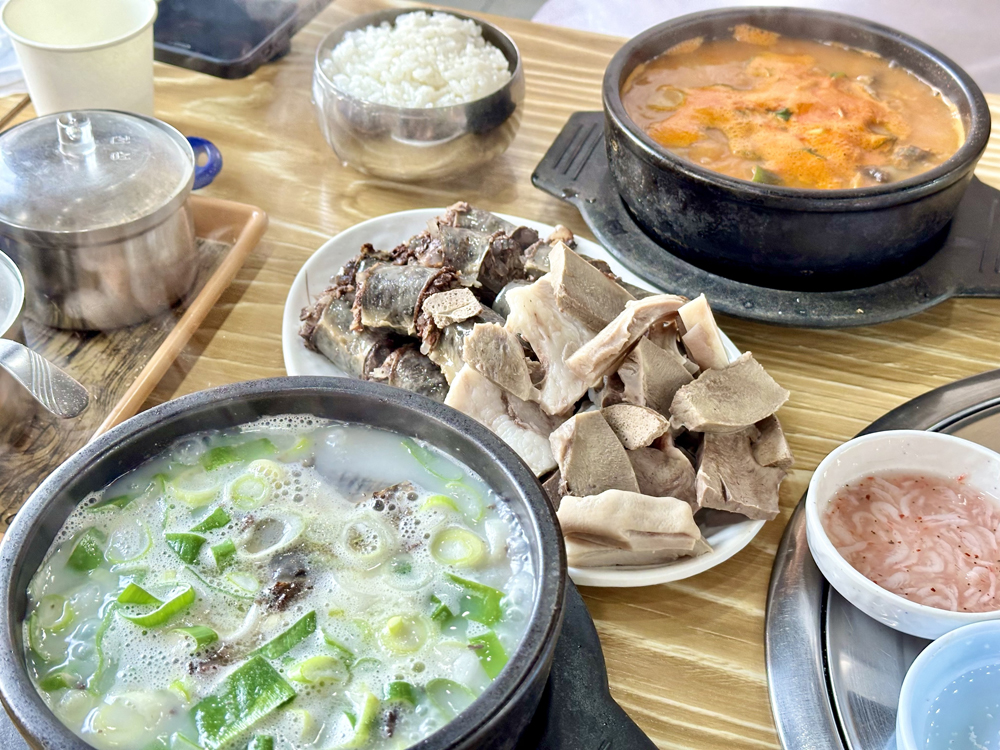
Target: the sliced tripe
pixel 452 306
pixel 667 336
pixel 727 400
pixel 553 335
pixel 584 292
pixel 520 424
pixel 591 458
pixel 635 426
pixel 770 448
pixel 650 376
pixel 601 355
pixel 664 472
pixel 497 354
pixel 617 527
pixel 730 479
pixel 702 337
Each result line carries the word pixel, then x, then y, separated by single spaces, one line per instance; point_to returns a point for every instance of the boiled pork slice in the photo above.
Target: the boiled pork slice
pixel 729 478
pixel 665 472
pixel 591 458
pixel 452 306
pixel 702 337
pixel 520 424
pixel 553 336
pixel 635 426
pixel 770 448
pixel 668 337
pixel 650 376
pixel 553 488
pixel 727 400
pixel 496 353
pixel 583 291
pixel 627 528
pixel 601 355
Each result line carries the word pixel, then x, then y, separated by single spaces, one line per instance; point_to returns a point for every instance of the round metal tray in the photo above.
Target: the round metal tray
pixel 834 673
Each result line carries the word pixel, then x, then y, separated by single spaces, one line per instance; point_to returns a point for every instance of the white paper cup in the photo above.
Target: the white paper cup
pixel 84 54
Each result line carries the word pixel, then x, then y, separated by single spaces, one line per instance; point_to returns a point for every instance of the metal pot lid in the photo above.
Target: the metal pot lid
pixel 89 170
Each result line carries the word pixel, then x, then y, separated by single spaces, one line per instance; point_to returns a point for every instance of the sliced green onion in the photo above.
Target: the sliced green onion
pixel 363 720
pixel 236 592
pixel 200 636
pixel 179 742
pixel 439 501
pixel 261 742
pixel 129 542
pixel 302 449
pixel 450 697
pixel 344 654
pixel 181 688
pixel 249 491
pixel 55 613
pixel 244 582
pixel 187 546
pixel 456 545
pixel 60 680
pixel 162 614
pixel 224 455
pixel 262 544
pixel 321 668
pixel 367 541
pixel 765 176
pixel 94 683
pixel 133 594
pixel 245 697
pixel 399 691
pixel 404 634
pixel 215 520
pixel 309 732
pixel 469 500
pixel 479 602
pixel 441 613
pixel 838 74
pixel 436 465
pixel 194 487
pixel 490 651
pixel 283 643
pixel 784 114
pixel 155 487
pixel 223 553
pixel 87 552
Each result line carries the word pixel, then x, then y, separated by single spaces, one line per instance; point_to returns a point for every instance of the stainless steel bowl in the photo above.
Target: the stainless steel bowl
pixel 418 144
pixel 16 404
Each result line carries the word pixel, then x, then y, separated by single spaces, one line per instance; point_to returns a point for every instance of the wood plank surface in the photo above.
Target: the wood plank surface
pixel 686 660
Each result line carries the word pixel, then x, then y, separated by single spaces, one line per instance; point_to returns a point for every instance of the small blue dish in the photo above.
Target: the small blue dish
pixel 952 692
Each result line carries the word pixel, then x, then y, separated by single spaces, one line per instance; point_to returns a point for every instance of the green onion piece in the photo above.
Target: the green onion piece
pixel 439 501
pixel 162 614
pixel 838 74
pixel 129 542
pixel 60 680
pixel 237 592
pixel 302 449
pixel 436 465
pixel 93 684
pixel 765 176
pixel 245 697
pixel 784 114
pixel 404 634
pixel 345 654
pixel 216 520
pixel 814 152
pixel 469 500
pixel 55 613
pixel 244 582
pixel 181 688
pixel 456 545
pixel 441 613
pixel 133 594
pixel 87 553
pixel 201 635
pixel 224 455
pixel 399 691
pixel 187 546
pixel 250 491
pixel 479 602
pixel 179 742
pixel 223 553
pixel 321 668
pixel 194 487
pixel 450 697
pixel 155 486
pixel 285 642
pixel 261 742
pixel 490 651
pixel 363 720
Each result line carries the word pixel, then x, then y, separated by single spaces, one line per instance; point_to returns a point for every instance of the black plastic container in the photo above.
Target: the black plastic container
pixel 493 722
pixel 781 237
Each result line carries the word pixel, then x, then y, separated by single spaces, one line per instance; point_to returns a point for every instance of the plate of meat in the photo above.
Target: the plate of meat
pixel 655 438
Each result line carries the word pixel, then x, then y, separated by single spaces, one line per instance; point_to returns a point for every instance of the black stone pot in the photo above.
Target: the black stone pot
pixel 781 237
pixel 493 722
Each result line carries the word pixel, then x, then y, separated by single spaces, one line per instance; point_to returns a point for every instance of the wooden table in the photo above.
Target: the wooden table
pixel 686 660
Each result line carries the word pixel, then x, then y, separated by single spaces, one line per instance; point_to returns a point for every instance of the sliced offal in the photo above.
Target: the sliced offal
pixel 583 291
pixel 664 472
pixel 702 337
pixel 497 354
pixel 650 376
pixel 729 478
pixel 591 458
pixel 520 424
pixel 452 306
pixel 410 370
pixel 635 426
pixel 390 296
pixel 444 347
pixel 326 328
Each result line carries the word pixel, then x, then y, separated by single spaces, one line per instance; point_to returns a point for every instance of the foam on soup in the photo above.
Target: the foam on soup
pixel 293 583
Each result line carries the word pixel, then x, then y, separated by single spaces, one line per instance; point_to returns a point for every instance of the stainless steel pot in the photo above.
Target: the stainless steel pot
pixel 94 211
pixel 16 404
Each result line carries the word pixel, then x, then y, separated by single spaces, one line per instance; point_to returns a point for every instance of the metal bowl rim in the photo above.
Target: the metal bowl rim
pixel 910 189
pixel 9 320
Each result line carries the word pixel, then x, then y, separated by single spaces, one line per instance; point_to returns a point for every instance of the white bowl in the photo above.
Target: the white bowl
pixel 891 451
pixel 937 666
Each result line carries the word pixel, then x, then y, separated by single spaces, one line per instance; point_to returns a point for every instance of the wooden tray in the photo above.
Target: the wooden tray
pixel 120 368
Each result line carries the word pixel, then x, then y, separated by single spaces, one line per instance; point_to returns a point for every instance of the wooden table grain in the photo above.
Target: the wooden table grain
pixel 686 660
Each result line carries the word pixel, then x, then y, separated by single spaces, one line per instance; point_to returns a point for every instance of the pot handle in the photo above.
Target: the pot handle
pixel 205 173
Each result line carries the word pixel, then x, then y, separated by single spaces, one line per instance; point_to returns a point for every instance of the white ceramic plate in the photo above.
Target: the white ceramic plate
pixel 386 232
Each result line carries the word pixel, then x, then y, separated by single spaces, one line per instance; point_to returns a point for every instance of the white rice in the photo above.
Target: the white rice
pixel 424 60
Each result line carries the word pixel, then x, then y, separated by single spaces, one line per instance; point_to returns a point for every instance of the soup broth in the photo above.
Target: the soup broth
pixel 792 112
pixel 294 583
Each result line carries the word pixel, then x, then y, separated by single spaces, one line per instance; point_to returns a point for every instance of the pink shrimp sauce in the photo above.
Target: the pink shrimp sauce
pixel 934 540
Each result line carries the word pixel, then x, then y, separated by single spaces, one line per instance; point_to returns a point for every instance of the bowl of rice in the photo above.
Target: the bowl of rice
pixel 413 95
